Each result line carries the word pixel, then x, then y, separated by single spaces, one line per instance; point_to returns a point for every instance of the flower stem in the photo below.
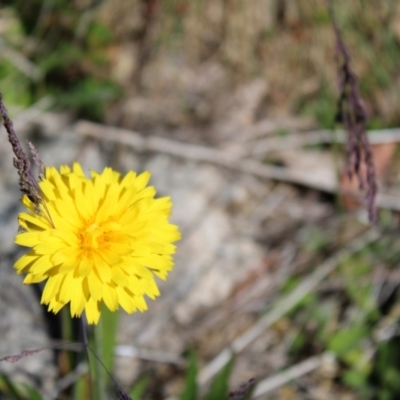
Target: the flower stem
pixel 100 378
pixel 88 355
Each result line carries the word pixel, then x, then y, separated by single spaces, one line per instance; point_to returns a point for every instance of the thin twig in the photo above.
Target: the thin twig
pixel 295 140
pixel 294 372
pixel 27 353
pixel 284 305
pixel 150 355
pixel 193 152
pixel 121 394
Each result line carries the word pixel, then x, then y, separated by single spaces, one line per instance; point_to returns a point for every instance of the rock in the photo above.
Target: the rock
pixel 22 327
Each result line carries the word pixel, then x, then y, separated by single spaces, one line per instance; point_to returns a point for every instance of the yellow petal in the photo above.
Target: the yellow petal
pixel 27 203
pixel 109 257
pixel 103 269
pixel 25 261
pixel 48 248
pixel 41 265
pixel 126 300
pixel 64 169
pixel 136 285
pixel 55 305
pixel 65 256
pixel 28 239
pixel 119 277
pixel 77 169
pixel 142 180
pixel 152 289
pixel 67 288
pixel 78 299
pixel 85 266
pixel 51 288
pixel 99 189
pixel 141 303
pixel 95 286
pixel 34 278
pixel 92 310
pixel 34 221
pixel 110 297
pixel 70 238
pixel 83 205
pixel 128 180
pixel 48 190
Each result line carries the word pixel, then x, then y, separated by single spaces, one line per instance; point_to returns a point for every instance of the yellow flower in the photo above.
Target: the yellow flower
pixel 98 239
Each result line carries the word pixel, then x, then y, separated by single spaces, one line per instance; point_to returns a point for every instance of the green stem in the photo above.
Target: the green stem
pixel 77 392
pixel 100 378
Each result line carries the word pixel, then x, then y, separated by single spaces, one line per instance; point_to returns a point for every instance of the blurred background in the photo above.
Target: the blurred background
pixel 231 105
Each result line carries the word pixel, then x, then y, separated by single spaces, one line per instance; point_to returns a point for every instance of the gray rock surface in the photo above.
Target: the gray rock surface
pixel 22 327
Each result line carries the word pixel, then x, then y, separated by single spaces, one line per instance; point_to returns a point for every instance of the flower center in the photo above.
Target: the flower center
pixel 92 237
pixel 95 236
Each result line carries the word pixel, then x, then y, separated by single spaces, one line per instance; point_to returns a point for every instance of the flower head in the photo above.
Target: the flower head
pixel 94 240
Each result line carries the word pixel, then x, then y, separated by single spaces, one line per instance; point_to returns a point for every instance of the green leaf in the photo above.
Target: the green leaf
pixel 356 271
pixel 190 390
pixel 33 394
pixel 298 343
pixel 391 379
pixel 219 389
pixel 355 379
pixel 9 388
pixel 346 340
pixel 18 391
pixel 138 389
pixel 99 35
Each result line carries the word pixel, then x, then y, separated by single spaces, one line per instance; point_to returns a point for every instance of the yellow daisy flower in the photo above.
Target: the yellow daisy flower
pixel 98 239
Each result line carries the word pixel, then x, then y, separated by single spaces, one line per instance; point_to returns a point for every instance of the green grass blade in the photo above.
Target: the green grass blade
pixel 17 391
pixel 82 388
pixel 219 389
pixel 9 388
pixel 139 388
pixel 190 390
pixel 33 394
